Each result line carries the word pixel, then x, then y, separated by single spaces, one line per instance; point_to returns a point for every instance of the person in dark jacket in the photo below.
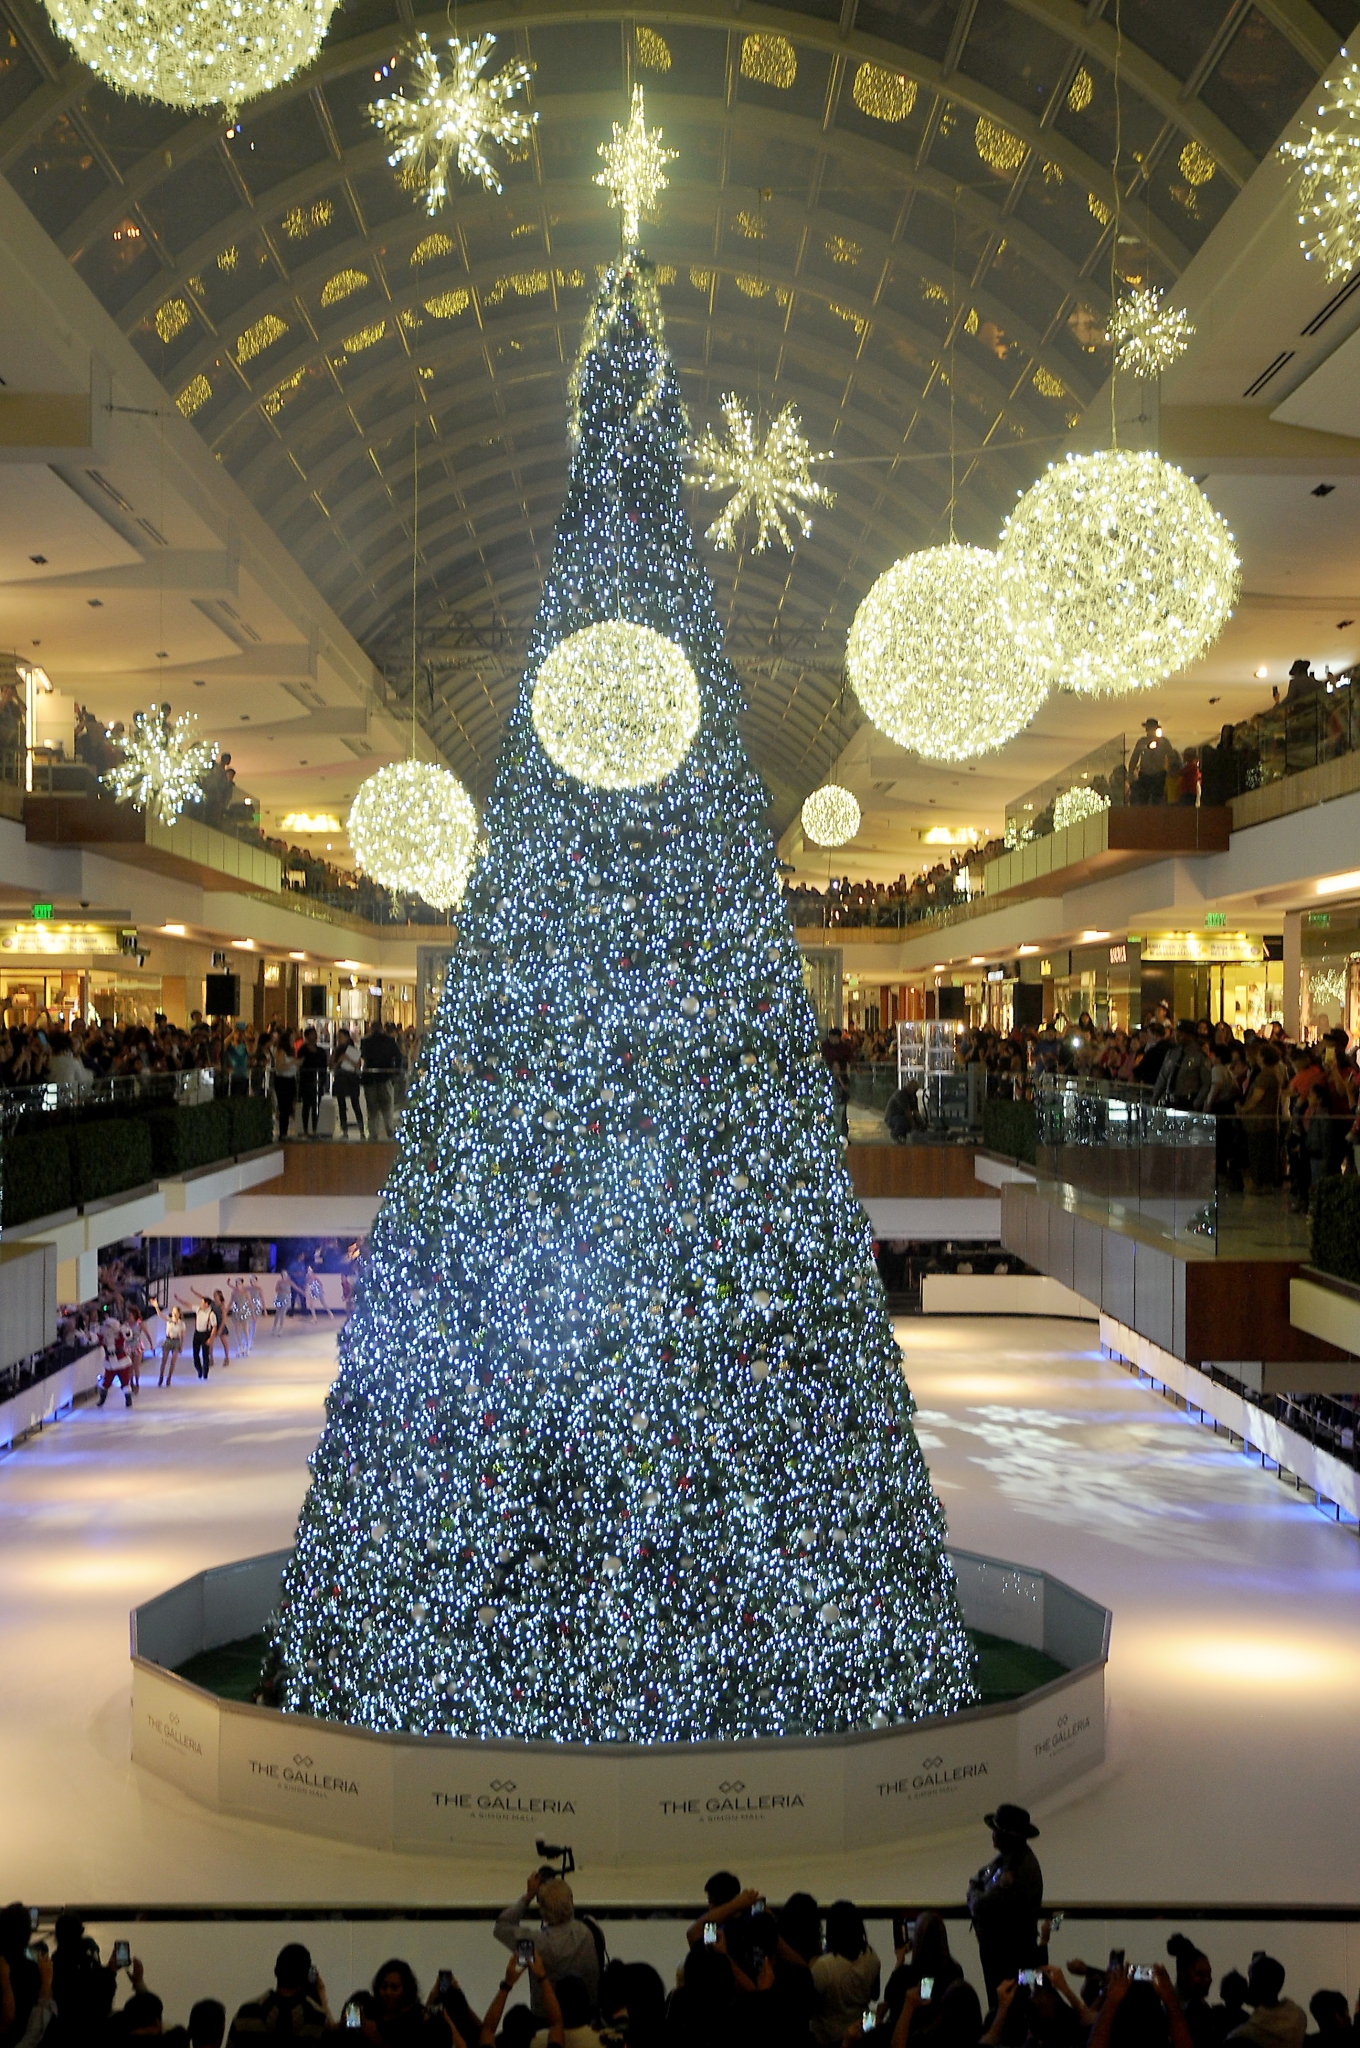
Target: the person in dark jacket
pixel 1005 1899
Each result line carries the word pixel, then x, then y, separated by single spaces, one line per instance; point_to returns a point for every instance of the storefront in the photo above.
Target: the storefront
pixel 1229 977
pixel 63 971
pixel 1329 959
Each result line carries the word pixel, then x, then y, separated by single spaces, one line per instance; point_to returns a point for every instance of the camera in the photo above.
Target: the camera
pixel 557 1862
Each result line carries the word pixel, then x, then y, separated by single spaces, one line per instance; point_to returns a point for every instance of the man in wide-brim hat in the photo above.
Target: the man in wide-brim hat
pixel 1005 1899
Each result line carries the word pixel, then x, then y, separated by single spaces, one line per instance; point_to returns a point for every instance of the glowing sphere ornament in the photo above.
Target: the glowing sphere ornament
pixel 932 661
pixel 1115 572
pixel 193 53
pixel 831 815
pixel 413 827
pixel 616 705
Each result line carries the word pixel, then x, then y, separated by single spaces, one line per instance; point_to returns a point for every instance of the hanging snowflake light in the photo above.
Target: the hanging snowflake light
pixel 163 765
pixel 456 113
pixel 193 53
pixel 634 173
pixel 1327 179
pixel 1115 572
pixel 413 827
pixel 616 705
pixel 932 660
pixel 831 815
pixel 1148 336
pixel 768 478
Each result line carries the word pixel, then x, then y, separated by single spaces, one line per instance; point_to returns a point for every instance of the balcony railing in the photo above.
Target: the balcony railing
pixel 1109 1148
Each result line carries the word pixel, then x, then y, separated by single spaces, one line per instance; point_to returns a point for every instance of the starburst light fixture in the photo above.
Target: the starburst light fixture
pixel 163 765
pixel 766 477
pixel 616 705
pixel 634 173
pixel 455 114
pixel 1076 803
pixel 413 827
pixel 932 661
pixel 1327 179
pixel 193 53
pixel 1115 572
pixel 1147 335
pixel 831 815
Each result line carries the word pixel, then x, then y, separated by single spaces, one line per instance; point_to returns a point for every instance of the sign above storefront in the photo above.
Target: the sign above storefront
pixel 1119 956
pixel 1215 947
pixel 63 938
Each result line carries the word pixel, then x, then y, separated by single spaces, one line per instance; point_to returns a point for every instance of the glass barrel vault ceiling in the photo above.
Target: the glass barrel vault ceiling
pixel 868 191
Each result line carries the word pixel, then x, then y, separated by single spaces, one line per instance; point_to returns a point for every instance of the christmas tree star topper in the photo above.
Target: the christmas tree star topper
pixel 634 173
pixel 766 477
pixel 459 112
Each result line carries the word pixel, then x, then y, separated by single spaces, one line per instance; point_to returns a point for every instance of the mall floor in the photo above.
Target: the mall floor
pixel 1233 1772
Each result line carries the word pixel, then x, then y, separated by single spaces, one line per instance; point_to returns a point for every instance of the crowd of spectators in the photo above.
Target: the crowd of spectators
pixel 751 1975
pixel 908 900
pixel 364 1070
pixel 1285 1111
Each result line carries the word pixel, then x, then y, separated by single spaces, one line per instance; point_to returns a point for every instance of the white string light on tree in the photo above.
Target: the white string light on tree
pixel 193 53
pixel 1327 179
pixel 413 827
pixel 1148 336
pixel 770 479
pixel 616 705
pixel 1115 572
pixel 1076 803
pixel 932 661
pixel 163 765
pixel 831 815
pixel 455 114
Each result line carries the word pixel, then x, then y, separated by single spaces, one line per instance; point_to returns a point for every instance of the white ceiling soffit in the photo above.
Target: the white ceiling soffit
pixel 1330 399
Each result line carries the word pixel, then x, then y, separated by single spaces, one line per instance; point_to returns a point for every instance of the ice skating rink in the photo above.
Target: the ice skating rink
pixel 1234 1768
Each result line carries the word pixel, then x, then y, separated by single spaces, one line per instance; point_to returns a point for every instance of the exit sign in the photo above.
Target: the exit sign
pixel 1320 917
pixel 42 911
pixel 1215 920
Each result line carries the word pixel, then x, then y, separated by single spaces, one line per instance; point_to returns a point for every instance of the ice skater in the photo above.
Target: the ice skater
pixel 117 1366
pixel 316 1294
pixel 171 1344
pixel 283 1295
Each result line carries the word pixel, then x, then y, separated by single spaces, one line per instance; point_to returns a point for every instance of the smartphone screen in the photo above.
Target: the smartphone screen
pixel 32 1916
pixel 759 1906
pixel 444 1982
pixel 927 1987
pixel 710 1933
pixel 904 1927
pixel 122 1955
pixel 353 2016
pixel 870 2019
pixel 524 1953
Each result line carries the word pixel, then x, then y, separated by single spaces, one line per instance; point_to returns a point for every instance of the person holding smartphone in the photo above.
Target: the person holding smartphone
pixel 542 1996
pixel 845 1979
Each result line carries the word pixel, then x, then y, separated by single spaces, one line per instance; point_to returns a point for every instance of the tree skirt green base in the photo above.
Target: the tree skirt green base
pixel 1006 1670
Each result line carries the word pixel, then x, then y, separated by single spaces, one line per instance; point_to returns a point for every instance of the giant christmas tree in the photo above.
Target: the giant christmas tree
pixel 620 1446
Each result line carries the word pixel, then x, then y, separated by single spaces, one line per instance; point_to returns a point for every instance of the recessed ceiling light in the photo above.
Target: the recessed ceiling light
pixel 244 945
pixel 1261 673
pixel 297 956
pixel 1090 938
pixel 1027 949
pixel 1336 885
pixel 176 931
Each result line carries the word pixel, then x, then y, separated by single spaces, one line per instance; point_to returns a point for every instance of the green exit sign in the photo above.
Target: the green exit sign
pixel 1320 917
pixel 42 911
pixel 1215 920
